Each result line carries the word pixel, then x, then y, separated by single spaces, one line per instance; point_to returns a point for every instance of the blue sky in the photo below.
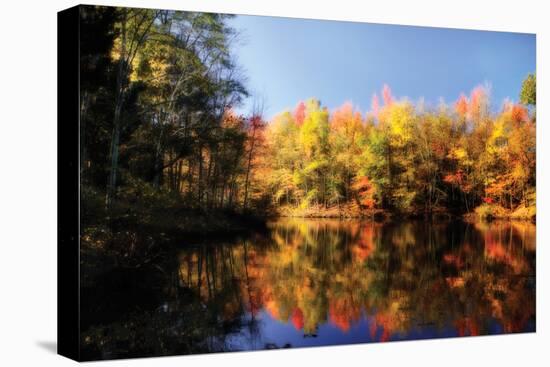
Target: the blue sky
pixel 287 60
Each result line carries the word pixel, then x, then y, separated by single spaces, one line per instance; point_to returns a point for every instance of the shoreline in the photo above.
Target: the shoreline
pixel 484 213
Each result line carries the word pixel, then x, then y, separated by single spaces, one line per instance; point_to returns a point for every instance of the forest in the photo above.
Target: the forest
pixel 162 145
pixel 194 236
pixel 406 158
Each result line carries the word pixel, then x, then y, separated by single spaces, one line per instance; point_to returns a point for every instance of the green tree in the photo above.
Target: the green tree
pixel 314 143
pixel 528 94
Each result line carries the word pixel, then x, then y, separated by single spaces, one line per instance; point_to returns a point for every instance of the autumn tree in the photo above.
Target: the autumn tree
pixel 314 144
pixel 285 159
pixel 158 105
pixel 133 28
pixel 255 140
pixel 346 131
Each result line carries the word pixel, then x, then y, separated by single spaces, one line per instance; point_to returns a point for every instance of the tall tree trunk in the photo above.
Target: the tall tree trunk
pixel 128 51
pixel 190 170
pixel 248 167
pixel 390 175
pixel 199 183
pixel 159 161
pixel 224 184
pixel 111 187
pixel 83 109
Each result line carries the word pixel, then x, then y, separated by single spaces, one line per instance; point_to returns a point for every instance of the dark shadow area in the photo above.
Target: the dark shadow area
pixel 50 346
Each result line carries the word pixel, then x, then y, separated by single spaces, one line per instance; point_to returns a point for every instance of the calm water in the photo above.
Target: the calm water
pixel 324 282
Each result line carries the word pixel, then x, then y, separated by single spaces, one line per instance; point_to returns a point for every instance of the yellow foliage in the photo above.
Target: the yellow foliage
pixel 399 118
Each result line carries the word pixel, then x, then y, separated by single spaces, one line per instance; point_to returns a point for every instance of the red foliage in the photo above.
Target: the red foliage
pixel 343 312
pixel 467 326
pixel 488 200
pixel 300 113
pixel 387 323
pixel 385 335
pixel 256 122
pixel 372 329
pixel 297 319
pixel 255 130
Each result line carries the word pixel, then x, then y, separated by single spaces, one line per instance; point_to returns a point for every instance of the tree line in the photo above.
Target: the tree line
pixel 405 157
pixel 158 91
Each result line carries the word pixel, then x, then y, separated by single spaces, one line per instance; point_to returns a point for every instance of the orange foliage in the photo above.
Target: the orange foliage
pixel 346 292
pixel 496 250
pixel 386 322
pixel 455 282
pixel 496 189
pixel 365 246
pixel 452 259
pixel 461 106
pixel 456 178
pixel 365 190
pixel 231 119
pixel 477 99
pixel 271 306
pixel 343 312
pixel 519 113
pixel 345 119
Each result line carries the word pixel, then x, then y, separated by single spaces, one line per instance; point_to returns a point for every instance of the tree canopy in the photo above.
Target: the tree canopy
pixel 159 92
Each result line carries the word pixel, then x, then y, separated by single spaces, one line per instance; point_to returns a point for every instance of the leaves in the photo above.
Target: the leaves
pixel 408 159
pixel 461 106
pixel 528 94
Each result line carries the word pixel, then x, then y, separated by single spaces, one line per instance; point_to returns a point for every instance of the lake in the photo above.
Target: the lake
pixel 319 282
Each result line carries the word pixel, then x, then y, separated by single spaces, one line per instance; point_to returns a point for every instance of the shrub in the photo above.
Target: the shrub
pixel 491 211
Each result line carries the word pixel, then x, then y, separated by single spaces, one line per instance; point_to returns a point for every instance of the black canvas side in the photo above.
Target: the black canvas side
pixel 68 183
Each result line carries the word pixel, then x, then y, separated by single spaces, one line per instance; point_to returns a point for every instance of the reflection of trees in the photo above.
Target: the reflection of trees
pixel 153 312
pixel 433 275
pixel 402 276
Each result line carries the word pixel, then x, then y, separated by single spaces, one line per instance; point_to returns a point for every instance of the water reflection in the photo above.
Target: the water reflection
pixel 322 282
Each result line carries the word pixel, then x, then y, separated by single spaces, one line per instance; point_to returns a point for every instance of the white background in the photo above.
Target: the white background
pixel 28 188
